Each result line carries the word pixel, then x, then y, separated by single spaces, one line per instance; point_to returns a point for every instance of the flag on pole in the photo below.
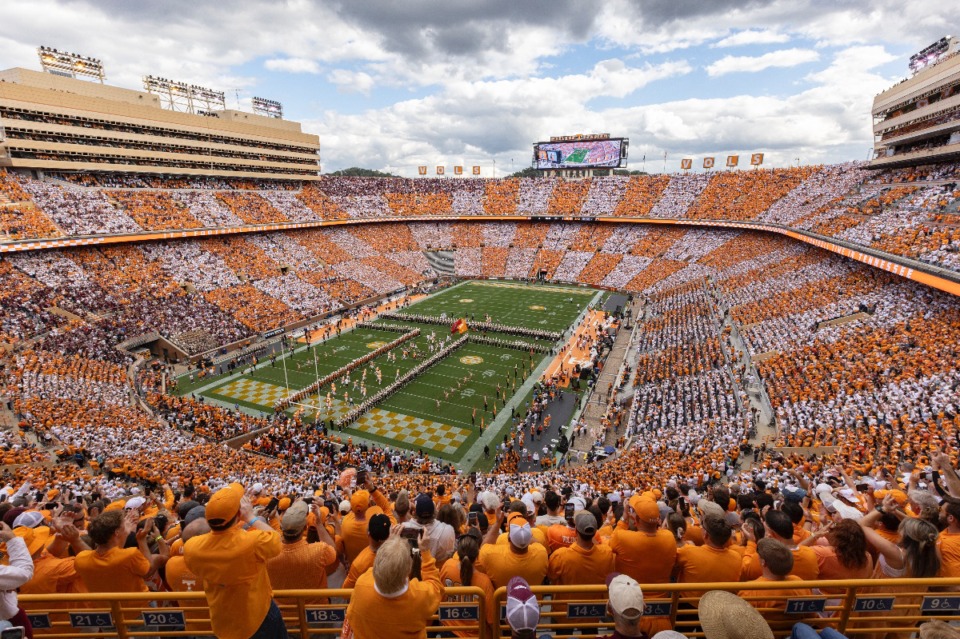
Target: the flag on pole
pixel 460 326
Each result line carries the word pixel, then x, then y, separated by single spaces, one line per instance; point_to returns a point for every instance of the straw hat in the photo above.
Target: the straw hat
pixel 723 615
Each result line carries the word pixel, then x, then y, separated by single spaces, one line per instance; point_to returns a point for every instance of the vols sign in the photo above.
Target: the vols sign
pixel 732 160
pixel 458 170
pixel 476 170
pixel 756 159
pixel 422 170
pixel 686 163
pixel 708 163
pixel 439 170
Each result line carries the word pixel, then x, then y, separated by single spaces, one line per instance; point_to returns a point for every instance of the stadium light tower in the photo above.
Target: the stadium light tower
pixel 187 98
pixel 70 65
pixel 268 108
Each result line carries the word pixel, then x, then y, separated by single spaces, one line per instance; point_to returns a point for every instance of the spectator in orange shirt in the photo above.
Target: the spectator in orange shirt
pixel 714 561
pixel 584 562
pixel 378 530
pixel 231 561
pixel 180 579
pixel 645 551
pixel 459 571
pixel 387 602
pixel 354 525
pixel 518 557
pixel 301 565
pixel 949 541
pixel 111 567
pixel 51 574
pixel 779 526
pixel 776 562
pixel 847 556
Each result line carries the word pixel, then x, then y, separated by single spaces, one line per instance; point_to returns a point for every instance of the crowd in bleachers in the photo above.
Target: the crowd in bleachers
pixel 251 207
pixel 154 210
pixel 883 389
pixel 78 211
pixel 844 201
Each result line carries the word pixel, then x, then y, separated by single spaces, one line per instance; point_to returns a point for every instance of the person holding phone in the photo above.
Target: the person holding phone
pixel 354 524
pixel 440 537
pixel 378 530
pixel 300 564
pixel 231 562
pixel 17 572
pixel 111 567
pixel 459 571
pixel 387 601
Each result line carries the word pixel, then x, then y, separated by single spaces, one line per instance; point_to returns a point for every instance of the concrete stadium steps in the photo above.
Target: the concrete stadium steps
pixel 441 262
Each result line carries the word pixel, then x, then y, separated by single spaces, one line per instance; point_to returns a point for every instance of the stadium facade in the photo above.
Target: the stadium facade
pixel 917 121
pixel 51 123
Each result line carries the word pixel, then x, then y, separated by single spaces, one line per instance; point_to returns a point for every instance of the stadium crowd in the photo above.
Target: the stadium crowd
pixel 852 358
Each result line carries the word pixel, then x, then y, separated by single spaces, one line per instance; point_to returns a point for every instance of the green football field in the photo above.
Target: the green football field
pixel 551 308
pixel 442 411
pixel 577 157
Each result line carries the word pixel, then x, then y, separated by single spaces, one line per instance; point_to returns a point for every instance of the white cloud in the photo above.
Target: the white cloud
pixel 753 64
pixel 292 65
pixel 492 77
pixel 476 123
pixel 752 36
pixel 470 122
pixel 351 81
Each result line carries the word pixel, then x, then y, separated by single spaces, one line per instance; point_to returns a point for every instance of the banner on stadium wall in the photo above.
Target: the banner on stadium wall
pixel 708 163
pixel 458 170
pixel 476 170
pixel 756 159
pixel 422 170
pixel 733 160
pixel 686 163
pixel 439 170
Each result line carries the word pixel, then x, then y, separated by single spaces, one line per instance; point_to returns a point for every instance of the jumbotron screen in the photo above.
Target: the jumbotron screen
pixel 580 154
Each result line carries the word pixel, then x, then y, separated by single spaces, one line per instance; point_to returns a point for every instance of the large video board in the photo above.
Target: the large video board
pixel 580 154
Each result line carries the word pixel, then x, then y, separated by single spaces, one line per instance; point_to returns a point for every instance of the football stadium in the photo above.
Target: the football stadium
pixel 245 397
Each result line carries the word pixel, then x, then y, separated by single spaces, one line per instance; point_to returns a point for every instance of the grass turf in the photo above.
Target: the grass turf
pixel 545 307
pixel 551 308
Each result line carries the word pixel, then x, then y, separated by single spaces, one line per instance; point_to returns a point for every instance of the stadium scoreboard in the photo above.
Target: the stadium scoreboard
pixel 581 151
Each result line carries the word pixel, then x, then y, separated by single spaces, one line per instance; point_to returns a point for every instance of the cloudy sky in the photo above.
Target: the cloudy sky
pixel 393 84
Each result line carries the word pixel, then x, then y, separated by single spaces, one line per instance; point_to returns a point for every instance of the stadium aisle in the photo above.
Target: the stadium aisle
pixel 560 410
pixel 573 355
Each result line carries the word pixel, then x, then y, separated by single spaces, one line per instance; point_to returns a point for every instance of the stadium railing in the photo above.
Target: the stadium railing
pixel 853 607
pixel 186 614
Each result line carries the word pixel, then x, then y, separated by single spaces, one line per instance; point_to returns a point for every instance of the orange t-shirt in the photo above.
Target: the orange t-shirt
pixel 805 563
pixel 232 565
pixel 52 575
pixel 302 566
pixel 117 570
pixel 647 557
pixel 949 545
pixel 358 566
pixel 702 564
pixel 180 579
pixel 773 599
pixel 559 536
pixel 450 577
pixel 501 563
